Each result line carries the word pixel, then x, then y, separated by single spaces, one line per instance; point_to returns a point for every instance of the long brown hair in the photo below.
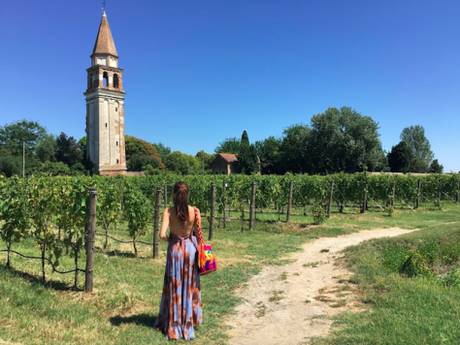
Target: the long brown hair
pixel 180 199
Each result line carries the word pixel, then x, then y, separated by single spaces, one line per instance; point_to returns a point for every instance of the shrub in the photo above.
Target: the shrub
pixel 318 213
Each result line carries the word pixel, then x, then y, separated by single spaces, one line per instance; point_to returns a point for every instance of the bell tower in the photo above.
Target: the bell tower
pixel 105 124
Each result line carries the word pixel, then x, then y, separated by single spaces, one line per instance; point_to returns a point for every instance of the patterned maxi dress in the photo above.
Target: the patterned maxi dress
pixel 180 306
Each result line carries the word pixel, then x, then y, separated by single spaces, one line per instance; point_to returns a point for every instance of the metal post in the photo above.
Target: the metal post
pixel 90 240
pixel 211 216
pixel 252 206
pixel 156 224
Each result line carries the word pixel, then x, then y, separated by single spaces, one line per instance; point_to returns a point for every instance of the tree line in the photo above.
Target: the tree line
pixel 337 140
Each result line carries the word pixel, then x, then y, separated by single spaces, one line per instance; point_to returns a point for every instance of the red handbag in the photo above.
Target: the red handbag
pixel 206 259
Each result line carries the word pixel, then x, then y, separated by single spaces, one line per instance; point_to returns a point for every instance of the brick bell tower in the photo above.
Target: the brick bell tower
pixel 105 124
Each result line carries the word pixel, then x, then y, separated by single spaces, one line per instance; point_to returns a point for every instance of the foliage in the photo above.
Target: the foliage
pixel 435 167
pixel 182 163
pixel 10 165
pixel 162 150
pixel 390 210
pixel 318 213
pixel 47 149
pixel 206 159
pixel 419 148
pixel 13 135
pixel 140 153
pixel 247 156
pixel 229 145
pixel 399 158
pixel 293 151
pixel 68 150
pixel 344 140
pixel 269 155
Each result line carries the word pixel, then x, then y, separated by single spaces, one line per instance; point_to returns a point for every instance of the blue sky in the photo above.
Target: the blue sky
pixel 197 72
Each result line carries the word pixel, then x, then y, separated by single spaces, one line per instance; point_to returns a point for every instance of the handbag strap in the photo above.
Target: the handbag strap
pixel 200 240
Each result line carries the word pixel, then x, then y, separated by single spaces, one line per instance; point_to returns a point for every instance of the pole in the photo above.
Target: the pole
pixel 156 224
pixel 90 241
pixel 252 206
pixel 288 213
pixel 211 216
pixel 419 186
pixel 364 199
pixel 165 195
pixel 224 188
pixel 331 193
pixel 23 159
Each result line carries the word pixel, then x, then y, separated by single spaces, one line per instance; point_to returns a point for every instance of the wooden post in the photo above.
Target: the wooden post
pixel 458 191
pixel 211 216
pixel 224 188
pixel 364 199
pixel 156 224
pixel 440 190
pixel 393 191
pixel 252 206
pixel 419 186
pixel 331 193
pixel 165 195
pixel 288 213
pixel 90 240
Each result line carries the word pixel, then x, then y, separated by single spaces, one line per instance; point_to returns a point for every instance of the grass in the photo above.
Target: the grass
pixel 406 306
pixel 127 290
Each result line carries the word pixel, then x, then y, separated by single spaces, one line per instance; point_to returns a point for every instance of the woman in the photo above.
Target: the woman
pixel 180 306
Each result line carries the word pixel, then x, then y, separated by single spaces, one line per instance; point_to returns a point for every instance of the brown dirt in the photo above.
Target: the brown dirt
pixel 291 304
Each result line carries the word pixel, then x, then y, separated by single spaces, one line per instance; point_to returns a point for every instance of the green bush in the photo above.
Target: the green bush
pixel 318 213
pixel 416 265
pixel 389 210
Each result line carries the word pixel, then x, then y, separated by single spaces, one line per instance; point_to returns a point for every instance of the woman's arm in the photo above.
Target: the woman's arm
pixel 164 224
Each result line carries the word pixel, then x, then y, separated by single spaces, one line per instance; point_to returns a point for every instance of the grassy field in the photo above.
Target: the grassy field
pixel 123 307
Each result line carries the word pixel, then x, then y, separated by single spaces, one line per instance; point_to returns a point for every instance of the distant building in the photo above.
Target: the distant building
pixel 105 123
pixel 225 163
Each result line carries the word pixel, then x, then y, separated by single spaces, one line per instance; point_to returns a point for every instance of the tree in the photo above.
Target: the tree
pixel 345 140
pixel 47 149
pixel 268 151
pixel 206 159
pixel 435 167
pixel 229 145
pixel 419 148
pixel 293 151
pixel 10 165
pixel 399 158
pixel 68 150
pixel 12 136
pixel 140 153
pixel 162 150
pixel 182 163
pixel 247 156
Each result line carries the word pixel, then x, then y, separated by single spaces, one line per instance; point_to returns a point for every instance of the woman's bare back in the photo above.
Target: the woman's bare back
pixel 176 226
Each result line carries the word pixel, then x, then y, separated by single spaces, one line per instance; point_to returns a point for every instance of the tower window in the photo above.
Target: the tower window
pixel 117 143
pixel 116 109
pixel 106 125
pixel 115 81
pixel 118 161
pixel 105 77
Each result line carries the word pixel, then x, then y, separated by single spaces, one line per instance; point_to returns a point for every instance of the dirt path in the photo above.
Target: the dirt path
pixel 289 304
